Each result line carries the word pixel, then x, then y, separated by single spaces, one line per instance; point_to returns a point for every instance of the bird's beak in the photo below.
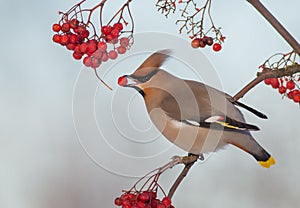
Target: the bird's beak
pixel 127 81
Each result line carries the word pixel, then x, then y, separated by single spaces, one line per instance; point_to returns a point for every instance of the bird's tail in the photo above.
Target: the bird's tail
pixel 249 145
pixel 264 158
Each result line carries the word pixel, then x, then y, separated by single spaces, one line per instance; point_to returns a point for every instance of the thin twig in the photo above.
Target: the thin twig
pixel 288 71
pixel 188 162
pixel 276 24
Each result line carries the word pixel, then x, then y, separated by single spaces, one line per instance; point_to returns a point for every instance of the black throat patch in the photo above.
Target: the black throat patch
pixel 139 90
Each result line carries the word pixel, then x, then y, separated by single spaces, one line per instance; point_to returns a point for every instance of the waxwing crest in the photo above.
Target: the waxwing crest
pixel 156 59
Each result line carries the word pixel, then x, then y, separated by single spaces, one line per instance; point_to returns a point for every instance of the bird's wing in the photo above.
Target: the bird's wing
pixel 229 123
pixel 201 105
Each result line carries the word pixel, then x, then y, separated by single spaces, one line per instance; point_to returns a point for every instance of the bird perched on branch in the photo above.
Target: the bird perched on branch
pixel 194 116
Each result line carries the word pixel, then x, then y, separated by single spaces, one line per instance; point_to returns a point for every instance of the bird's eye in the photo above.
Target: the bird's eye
pixel 146 78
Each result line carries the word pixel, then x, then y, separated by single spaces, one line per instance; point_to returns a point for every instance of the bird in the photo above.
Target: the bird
pixel 192 115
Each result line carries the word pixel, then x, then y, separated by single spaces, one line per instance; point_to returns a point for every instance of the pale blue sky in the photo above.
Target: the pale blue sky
pixel 42 161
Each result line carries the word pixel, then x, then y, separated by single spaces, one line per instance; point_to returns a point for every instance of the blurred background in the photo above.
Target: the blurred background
pixel 63 136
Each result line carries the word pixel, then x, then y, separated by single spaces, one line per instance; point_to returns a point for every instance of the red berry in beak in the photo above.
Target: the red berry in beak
pixel 122 81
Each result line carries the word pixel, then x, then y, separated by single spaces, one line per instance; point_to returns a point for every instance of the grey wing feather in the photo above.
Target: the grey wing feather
pixel 198 102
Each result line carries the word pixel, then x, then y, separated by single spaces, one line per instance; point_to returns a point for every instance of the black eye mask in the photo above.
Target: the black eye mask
pixel 145 78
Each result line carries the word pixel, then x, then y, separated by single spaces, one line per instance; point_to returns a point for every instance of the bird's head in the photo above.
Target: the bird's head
pixel 148 74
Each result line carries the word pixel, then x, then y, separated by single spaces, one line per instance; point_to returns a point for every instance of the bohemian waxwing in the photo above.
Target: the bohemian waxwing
pixel 195 117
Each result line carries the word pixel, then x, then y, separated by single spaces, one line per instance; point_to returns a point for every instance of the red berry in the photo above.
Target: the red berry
pixel 83 47
pixel 77 56
pixel 144 197
pixel 77 49
pixel 296 97
pixel 87 61
pixel 131 196
pixel 97 54
pixel 106 29
pixel 290 85
pixel 195 43
pixel 102 46
pixel 74 23
pixel 70 46
pixel 295 92
pixel 275 83
pixel 109 38
pixel 56 27
pixel 126 202
pixel 112 54
pixel 93 41
pixel 267 81
pixel 73 38
pixel 121 49
pixel 114 41
pixel 64 39
pixel 161 206
pixel 217 47
pixel 154 203
pixel 202 44
pixel 124 196
pixel 65 27
pixel 152 194
pixel 56 38
pixel 290 95
pixel 85 33
pixel 92 47
pixel 115 33
pixel 95 63
pixel 281 89
pixel 79 29
pixel 118 26
pixel 79 39
pixel 124 42
pixel 104 57
pixel 166 201
pixel 208 40
pixel 139 204
pixel 118 200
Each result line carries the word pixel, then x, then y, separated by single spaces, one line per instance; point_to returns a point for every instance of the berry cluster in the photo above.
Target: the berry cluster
pixel 193 17
pixel 143 199
pixel 285 86
pixel 288 85
pixel 94 50
pixel 207 41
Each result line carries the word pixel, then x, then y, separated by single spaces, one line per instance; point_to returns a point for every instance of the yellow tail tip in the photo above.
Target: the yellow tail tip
pixel 268 163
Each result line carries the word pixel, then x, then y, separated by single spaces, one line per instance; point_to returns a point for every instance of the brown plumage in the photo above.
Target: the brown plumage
pixel 192 115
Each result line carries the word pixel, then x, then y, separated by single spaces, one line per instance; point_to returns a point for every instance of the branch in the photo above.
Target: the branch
pixel 188 162
pixel 281 72
pixel 276 24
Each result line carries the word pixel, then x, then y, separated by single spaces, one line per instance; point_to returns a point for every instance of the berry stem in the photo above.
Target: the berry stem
pixel 97 75
pixel 276 24
pixel 101 4
pixel 150 175
pixel 120 11
pixel 281 72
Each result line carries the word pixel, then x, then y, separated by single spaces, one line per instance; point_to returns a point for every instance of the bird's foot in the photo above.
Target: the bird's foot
pixel 175 160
